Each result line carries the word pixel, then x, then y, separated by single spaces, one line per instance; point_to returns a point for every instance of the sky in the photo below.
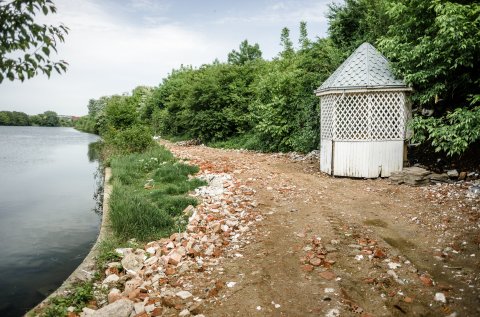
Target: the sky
pixel 114 46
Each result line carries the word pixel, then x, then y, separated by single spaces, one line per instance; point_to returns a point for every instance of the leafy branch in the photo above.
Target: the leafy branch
pixel 26 46
pixel 452 134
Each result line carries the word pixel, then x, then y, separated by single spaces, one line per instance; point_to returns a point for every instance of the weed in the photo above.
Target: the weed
pixel 106 251
pixel 77 297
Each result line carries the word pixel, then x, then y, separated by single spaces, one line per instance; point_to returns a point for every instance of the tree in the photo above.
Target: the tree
pixel 14 118
pixel 50 119
pixel 4 118
pixel 141 98
pixel 96 106
pixel 26 46
pixel 120 112
pixel 285 108
pixel 286 43
pixel 357 21
pixel 435 46
pixel 303 38
pixel 246 53
pixel 20 118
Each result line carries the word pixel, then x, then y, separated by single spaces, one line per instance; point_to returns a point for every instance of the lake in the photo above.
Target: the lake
pixel 49 218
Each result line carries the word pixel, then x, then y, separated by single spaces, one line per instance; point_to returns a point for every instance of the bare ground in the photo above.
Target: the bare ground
pixel 346 247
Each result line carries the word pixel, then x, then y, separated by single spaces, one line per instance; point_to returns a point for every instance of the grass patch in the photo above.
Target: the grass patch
pixel 149 194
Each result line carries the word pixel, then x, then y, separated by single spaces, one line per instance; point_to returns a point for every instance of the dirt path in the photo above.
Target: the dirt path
pixel 344 247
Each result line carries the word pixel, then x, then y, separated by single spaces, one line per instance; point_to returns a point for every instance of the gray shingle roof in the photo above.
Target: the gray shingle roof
pixel 366 68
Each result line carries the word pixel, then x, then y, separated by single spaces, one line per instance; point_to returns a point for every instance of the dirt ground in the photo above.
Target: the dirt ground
pixel 346 247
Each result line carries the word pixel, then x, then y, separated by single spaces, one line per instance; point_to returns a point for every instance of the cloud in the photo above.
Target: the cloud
pixel 283 12
pixel 107 55
pixel 114 46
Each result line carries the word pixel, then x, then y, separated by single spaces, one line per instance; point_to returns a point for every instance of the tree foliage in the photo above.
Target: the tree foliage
pixel 46 119
pixel 355 22
pixel 14 118
pixel 245 53
pixel 303 40
pixel 286 108
pixel 210 103
pixel 452 133
pixel 25 45
pixel 270 104
pixel 118 119
pixel 434 45
pixel 263 105
pixel 286 43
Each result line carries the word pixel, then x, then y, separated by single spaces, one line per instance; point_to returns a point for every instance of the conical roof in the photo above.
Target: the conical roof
pixel 366 68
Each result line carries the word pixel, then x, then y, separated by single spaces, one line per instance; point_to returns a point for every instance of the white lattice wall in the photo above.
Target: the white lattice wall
pixel 363 116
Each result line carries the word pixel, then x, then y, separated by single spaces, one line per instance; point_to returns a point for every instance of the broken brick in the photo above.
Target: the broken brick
pixel 328 275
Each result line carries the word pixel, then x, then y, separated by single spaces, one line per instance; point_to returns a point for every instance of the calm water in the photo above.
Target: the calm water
pixel 48 221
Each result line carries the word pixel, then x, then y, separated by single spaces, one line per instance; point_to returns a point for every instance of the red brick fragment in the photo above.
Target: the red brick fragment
pixel 328 275
pixel 315 261
pixel 157 311
pixel 426 280
pixel 170 270
pixel 378 253
pixel 307 268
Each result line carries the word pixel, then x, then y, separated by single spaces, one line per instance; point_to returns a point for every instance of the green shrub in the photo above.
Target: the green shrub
pixel 136 138
pixel 452 134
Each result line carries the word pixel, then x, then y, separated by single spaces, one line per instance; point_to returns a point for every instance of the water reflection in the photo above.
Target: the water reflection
pixel 94 155
pixel 94 151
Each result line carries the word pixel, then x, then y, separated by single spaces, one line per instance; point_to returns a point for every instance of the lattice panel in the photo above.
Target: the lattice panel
pixel 326 115
pixel 363 116
pixel 352 118
pixel 388 116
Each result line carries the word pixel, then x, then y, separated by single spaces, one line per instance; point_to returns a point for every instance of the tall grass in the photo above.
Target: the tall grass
pixel 149 194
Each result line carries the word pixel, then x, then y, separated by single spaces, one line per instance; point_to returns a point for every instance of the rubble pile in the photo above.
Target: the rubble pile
pixel 316 256
pixel 176 275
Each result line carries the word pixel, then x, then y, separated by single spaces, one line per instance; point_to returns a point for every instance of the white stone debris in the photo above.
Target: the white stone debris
pixel 440 297
pixel 184 294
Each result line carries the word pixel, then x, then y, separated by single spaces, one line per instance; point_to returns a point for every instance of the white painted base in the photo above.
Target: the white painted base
pixel 326 156
pixel 368 159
